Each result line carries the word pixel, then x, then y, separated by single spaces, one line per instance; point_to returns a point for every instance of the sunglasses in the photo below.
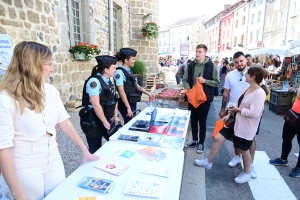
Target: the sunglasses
pixel 241 76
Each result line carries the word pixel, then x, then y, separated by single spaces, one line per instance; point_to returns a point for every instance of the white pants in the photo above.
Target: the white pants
pixel 39 167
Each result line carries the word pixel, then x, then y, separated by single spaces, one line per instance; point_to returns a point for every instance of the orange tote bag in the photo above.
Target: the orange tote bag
pixel 196 95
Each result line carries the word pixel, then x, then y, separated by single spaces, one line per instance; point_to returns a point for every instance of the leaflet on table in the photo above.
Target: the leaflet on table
pixel 152 153
pixel 155 170
pixel 144 187
pixel 122 152
pixel 97 184
pixel 88 198
pixel 160 140
pixel 112 167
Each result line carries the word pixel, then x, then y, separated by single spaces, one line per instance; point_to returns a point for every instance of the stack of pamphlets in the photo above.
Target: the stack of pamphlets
pixel 112 167
pixel 122 152
pixel 97 184
pixel 152 153
pixel 144 187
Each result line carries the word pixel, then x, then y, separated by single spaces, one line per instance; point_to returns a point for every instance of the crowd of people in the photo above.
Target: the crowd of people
pixel 30 108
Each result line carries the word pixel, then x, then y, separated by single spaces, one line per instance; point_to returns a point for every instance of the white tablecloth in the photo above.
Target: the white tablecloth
pixel 68 188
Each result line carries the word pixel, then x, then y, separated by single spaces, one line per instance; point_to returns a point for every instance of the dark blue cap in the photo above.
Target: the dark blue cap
pixel 106 60
pixel 128 52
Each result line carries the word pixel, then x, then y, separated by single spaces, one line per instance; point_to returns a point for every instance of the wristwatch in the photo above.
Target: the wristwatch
pixel 117 115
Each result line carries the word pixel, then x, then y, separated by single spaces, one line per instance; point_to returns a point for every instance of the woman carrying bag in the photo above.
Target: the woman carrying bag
pixel 289 131
pixel 100 103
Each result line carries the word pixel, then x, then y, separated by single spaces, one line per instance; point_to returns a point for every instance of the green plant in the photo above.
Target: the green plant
pixel 89 49
pixel 149 30
pixel 139 68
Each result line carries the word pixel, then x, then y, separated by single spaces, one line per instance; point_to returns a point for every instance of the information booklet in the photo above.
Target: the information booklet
pixel 88 198
pixel 97 184
pixel 122 152
pixel 152 153
pixel 155 170
pixel 112 167
pixel 144 187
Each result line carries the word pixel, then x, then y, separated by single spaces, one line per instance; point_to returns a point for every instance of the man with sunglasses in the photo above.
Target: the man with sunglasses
pixel 235 85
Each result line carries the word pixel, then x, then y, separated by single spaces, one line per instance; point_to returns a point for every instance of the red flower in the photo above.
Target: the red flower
pixel 80 44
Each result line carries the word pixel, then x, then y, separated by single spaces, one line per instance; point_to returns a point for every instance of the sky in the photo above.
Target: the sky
pixel 171 11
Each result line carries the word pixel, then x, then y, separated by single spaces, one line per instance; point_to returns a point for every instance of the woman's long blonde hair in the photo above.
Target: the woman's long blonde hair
pixel 24 76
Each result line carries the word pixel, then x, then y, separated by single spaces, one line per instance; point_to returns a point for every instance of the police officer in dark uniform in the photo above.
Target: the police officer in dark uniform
pixel 99 99
pixel 129 90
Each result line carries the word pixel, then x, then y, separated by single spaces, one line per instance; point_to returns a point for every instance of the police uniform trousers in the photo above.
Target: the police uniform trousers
pixel 95 142
pixel 123 110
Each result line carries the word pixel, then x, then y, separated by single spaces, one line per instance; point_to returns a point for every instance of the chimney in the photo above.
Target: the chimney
pixel 226 6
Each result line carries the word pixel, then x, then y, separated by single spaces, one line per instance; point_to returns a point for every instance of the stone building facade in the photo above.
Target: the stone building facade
pixel 111 24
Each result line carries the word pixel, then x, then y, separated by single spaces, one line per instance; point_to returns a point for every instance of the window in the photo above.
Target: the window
pixel 258 16
pixel 276 4
pixel 251 37
pixel 244 19
pixel 252 18
pixel 270 20
pixel 228 33
pixel 73 8
pixel 234 43
pixel 280 16
pixel 224 22
pixel 254 4
pixel 115 28
pixel 173 49
pixel 187 38
pixel 198 28
pixel 268 40
pixel 257 35
pixel 187 29
pixel 236 23
pixel 244 8
pixel 237 13
pixel 228 21
pixel 223 34
pixel 293 8
pixel 292 30
pixel 223 46
pixel 242 39
pixel 279 38
pixel 198 39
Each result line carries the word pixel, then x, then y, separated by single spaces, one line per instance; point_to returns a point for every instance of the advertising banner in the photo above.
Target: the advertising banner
pixel 184 50
pixel 6 52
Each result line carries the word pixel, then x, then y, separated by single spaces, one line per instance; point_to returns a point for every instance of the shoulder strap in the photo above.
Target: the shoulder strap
pixel 241 98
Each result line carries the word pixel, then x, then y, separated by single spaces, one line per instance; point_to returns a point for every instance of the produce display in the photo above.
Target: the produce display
pixel 171 94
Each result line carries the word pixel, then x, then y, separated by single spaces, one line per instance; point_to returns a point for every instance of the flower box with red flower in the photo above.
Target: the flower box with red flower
pixel 84 51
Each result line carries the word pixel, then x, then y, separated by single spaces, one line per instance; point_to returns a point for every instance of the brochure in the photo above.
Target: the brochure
pixel 132 138
pixel 153 154
pixel 155 170
pixel 88 198
pixel 122 152
pixel 144 187
pixel 97 184
pixel 112 167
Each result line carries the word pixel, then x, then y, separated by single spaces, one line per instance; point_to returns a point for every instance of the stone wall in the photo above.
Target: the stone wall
pixel 147 48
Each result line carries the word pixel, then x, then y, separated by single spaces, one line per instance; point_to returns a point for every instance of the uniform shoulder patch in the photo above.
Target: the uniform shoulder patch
pixel 93 84
pixel 117 76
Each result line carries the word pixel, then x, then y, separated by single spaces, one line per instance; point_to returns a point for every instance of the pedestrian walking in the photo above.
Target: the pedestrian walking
pixel 181 70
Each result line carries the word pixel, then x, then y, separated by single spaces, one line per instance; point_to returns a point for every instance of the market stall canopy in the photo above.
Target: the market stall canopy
pixel 285 51
pixel 294 44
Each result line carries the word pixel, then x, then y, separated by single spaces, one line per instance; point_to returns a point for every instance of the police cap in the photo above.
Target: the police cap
pixel 128 52
pixel 106 60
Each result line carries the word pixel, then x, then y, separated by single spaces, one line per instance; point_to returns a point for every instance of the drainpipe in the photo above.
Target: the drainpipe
pixel 110 27
pixel 287 20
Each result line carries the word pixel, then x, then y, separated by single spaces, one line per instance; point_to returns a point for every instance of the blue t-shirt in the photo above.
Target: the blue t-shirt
pixel 120 76
pixel 93 87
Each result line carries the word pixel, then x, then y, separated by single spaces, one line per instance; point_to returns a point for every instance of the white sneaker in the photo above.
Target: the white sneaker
pixel 234 161
pixel 242 178
pixel 203 163
pixel 252 172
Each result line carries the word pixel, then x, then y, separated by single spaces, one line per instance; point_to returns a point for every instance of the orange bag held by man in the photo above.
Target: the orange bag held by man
pixel 196 95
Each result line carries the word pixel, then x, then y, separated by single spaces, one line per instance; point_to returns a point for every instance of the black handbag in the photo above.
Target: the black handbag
pixel 291 118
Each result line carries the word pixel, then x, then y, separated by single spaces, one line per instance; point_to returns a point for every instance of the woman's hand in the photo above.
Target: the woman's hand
pixel 151 95
pixel 21 197
pixel 129 113
pixel 87 156
pixel 106 125
pixel 234 109
pixel 226 118
pixel 116 120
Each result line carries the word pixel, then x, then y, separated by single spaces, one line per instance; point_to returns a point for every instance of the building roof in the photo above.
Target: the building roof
pixel 186 21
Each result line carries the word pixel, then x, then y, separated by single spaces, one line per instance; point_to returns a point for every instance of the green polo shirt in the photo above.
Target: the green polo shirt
pixel 199 69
